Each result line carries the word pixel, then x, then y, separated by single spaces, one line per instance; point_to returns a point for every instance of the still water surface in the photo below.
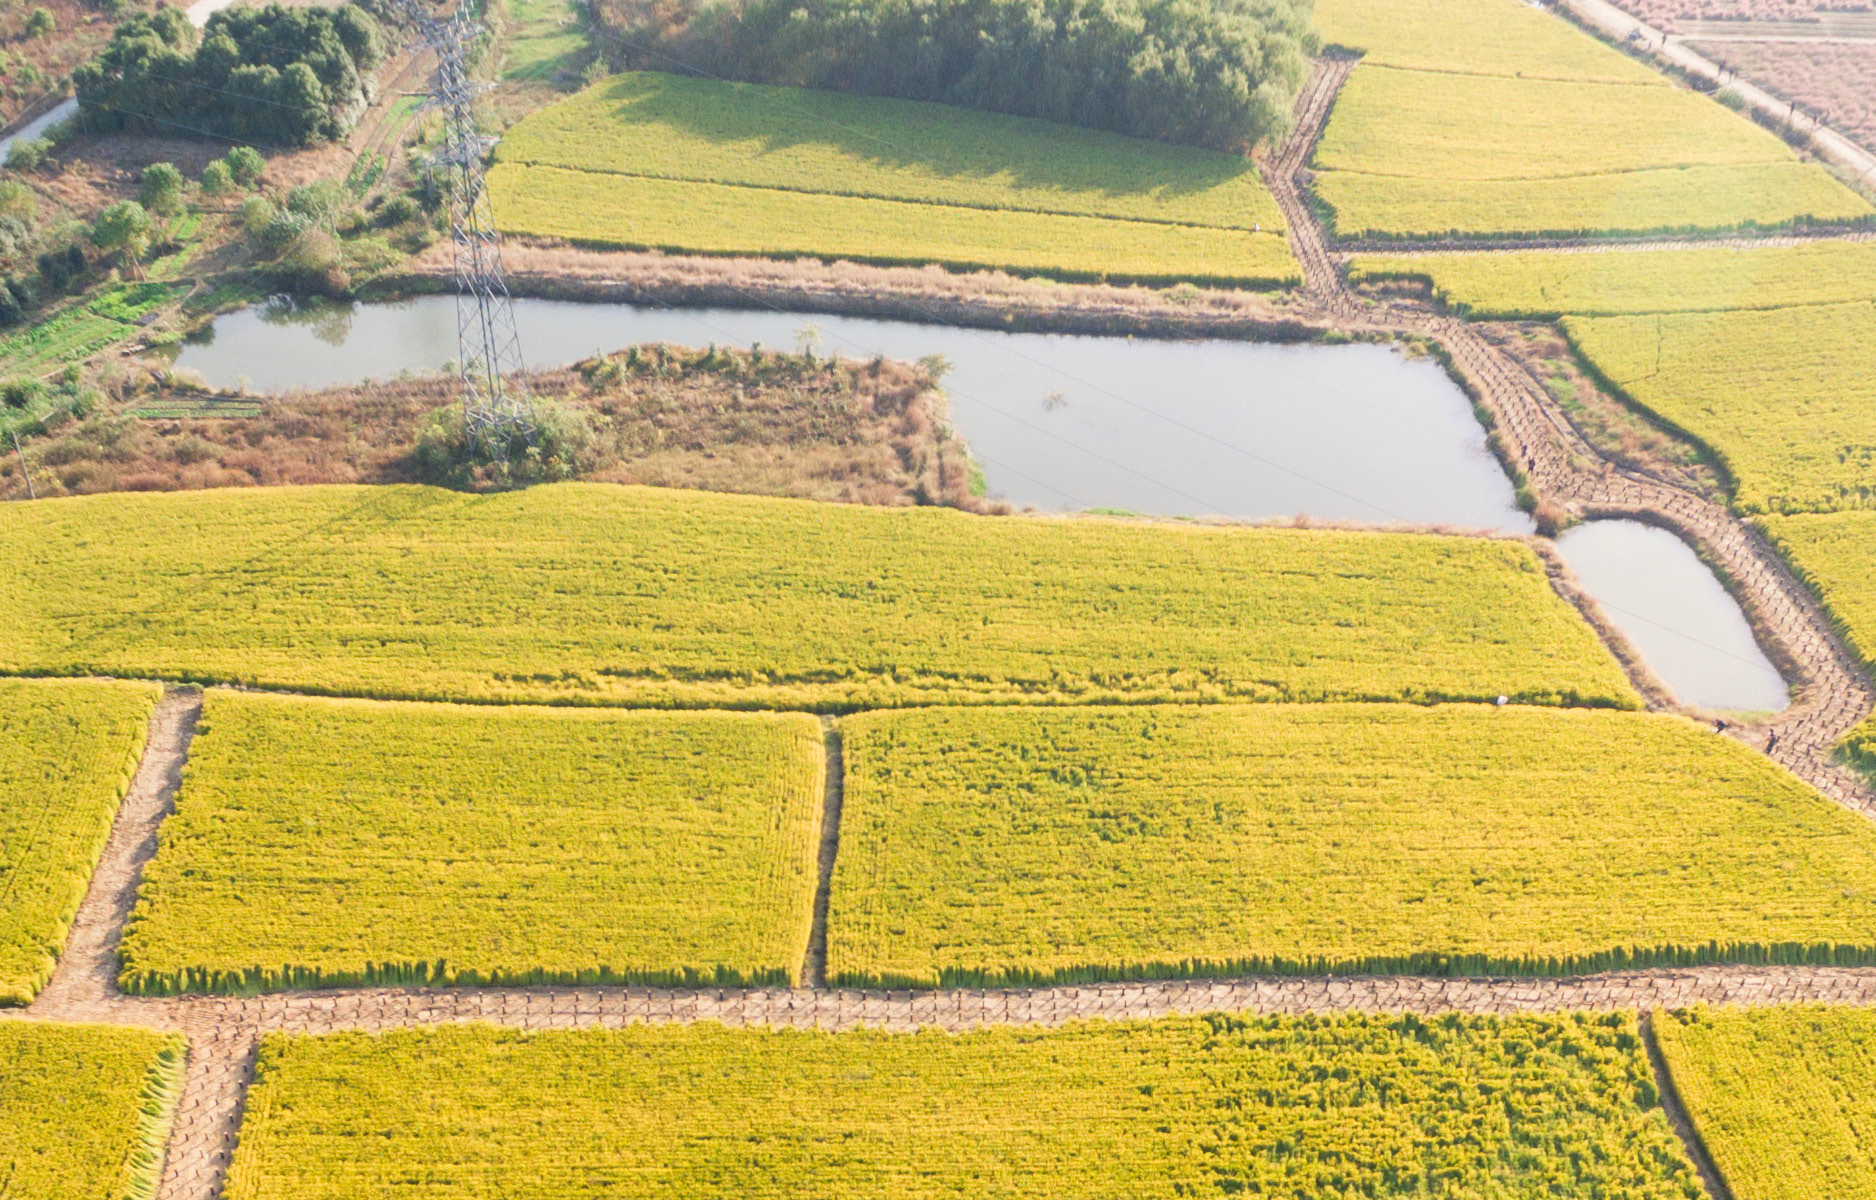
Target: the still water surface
pixel 1057 422
pixel 1676 613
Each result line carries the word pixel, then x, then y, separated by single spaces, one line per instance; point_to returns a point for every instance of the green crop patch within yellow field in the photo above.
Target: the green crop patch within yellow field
pixel 1188 1106
pixel 1542 285
pixel 1485 117
pixel 802 140
pixel 331 842
pixel 1475 37
pixel 1004 846
pixel 85 1110
pixel 1781 1097
pixel 1835 554
pixel 630 211
pixel 1783 397
pixel 67 752
pixel 599 594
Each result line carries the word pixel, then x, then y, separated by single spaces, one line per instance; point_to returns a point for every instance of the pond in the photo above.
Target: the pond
pixel 1659 593
pixel 1057 422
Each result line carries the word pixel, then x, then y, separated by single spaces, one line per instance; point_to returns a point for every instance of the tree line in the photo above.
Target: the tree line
pixel 273 76
pixel 1215 73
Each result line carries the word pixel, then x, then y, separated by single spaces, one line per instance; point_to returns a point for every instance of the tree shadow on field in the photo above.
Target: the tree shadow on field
pixel 947 142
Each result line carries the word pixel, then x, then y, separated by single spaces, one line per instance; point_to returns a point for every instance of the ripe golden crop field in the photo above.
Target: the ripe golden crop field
pixel 1782 396
pixel 85 1110
pixel 803 140
pixel 1545 284
pixel 595 208
pixel 67 751
pixel 336 842
pixel 1835 555
pixel 1485 117
pixel 602 594
pixel 1350 1106
pixel 1000 847
pixel 1781 1097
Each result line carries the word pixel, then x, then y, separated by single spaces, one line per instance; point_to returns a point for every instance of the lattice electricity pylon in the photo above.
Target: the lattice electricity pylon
pixel 497 411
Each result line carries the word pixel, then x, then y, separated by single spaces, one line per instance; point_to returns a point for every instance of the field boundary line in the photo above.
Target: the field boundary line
pixel 1679 1119
pixel 833 797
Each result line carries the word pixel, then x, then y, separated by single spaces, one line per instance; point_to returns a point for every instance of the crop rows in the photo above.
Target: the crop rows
pixel 632 211
pixel 1006 846
pixel 67 752
pixel 80 331
pixel 600 594
pixel 1482 117
pixel 331 842
pixel 1346 1107
pixel 1781 1097
pixel 85 1110
pixel 1545 285
pixel 802 140
pixel 1780 396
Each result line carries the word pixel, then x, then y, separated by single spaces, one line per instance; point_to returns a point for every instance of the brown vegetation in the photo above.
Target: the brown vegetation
pixel 1664 14
pixel 1835 81
pixel 732 421
pixel 34 66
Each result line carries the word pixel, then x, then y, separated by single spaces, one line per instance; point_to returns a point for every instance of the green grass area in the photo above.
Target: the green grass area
pixel 1006 846
pixel 543 41
pixel 1835 555
pixel 647 159
pixel 1783 397
pixel 600 594
pixel 1545 284
pixel 629 211
pixel 1350 1106
pixel 1781 1097
pixel 85 1110
pixel 67 752
pixel 1482 117
pixel 335 842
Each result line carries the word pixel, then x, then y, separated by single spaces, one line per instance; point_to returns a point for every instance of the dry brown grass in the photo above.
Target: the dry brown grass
pixel 1835 81
pixel 1664 14
pixel 32 67
pixel 766 424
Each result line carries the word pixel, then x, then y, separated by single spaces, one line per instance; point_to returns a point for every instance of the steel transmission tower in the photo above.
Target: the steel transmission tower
pixel 497 412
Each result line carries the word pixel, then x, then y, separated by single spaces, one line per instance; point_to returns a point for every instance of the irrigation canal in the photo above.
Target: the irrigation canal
pixel 1165 428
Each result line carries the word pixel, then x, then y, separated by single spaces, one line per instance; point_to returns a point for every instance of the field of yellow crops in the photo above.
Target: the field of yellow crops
pixel 600 594
pixel 1351 1106
pixel 67 752
pixel 1484 117
pixel 653 160
pixel 328 842
pixel 85 1110
pixel 1781 1097
pixel 1004 846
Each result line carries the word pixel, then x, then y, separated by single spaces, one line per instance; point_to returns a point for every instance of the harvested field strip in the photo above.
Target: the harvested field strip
pixel 1781 1097
pixel 1544 285
pixel 797 139
pixel 1835 554
pixel 1274 1106
pixel 1782 397
pixel 998 847
pixel 1480 37
pixel 321 843
pixel 85 1110
pixel 600 594
pixel 67 751
pixel 632 212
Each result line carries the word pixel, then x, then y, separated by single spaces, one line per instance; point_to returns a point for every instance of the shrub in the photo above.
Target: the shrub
pixel 161 188
pixel 323 202
pixel 245 164
pixel 41 23
pixel 17 200
pixel 125 228
pixel 283 228
pixel 29 154
pixel 57 268
pixel 255 214
pixel 217 179
pixel 398 210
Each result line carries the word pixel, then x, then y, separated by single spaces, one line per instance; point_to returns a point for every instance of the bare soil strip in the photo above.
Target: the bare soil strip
pixel 814 968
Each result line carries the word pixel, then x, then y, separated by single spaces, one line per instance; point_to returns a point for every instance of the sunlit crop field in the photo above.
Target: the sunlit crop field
pixel 624 210
pixel 1543 285
pixel 1478 117
pixel 85 1110
pixel 67 752
pixel 322 842
pixel 1004 846
pixel 1781 1097
pixel 1835 553
pixel 1783 397
pixel 1319 1107
pixel 653 160
pixel 595 593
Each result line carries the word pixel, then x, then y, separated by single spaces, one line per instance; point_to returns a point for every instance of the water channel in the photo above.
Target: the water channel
pixel 1061 422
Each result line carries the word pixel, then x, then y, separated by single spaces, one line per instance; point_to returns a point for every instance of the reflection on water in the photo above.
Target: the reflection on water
pixel 1676 613
pixel 1058 422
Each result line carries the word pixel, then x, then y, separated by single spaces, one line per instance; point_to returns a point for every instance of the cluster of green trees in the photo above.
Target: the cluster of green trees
pixel 272 76
pixel 1214 73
